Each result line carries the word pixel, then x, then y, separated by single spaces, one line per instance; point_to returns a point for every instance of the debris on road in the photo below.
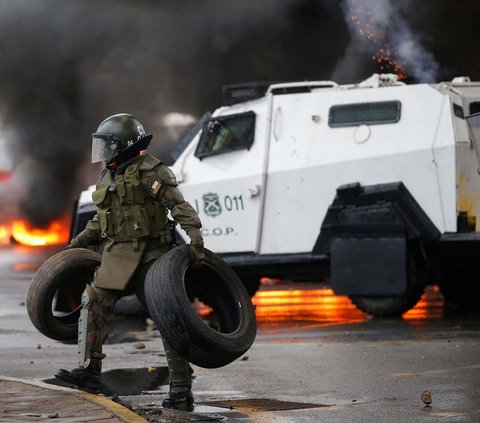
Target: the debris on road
pixel 426 397
pixel 139 346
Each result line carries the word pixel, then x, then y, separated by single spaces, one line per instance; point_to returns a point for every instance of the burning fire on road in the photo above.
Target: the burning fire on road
pixel 20 231
pixel 4 175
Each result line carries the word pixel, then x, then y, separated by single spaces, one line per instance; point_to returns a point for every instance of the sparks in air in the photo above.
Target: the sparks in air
pixel 386 58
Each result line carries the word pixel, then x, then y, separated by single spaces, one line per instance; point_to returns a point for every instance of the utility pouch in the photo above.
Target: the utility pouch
pixel 120 183
pixel 133 187
pixel 134 225
pixel 138 191
pixel 101 198
pixel 105 221
pixel 129 193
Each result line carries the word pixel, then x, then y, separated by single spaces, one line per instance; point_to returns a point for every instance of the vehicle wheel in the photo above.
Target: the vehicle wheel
pixel 172 282
pixel 460 281
pixel 396 305
pixel 53 299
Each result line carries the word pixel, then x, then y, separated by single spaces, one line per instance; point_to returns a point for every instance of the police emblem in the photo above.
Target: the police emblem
pixel 211 204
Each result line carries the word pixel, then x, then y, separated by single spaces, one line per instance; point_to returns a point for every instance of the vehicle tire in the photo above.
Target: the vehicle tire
pixel 172 282
pixel 460 281
pixel 396 305
pixel 53 299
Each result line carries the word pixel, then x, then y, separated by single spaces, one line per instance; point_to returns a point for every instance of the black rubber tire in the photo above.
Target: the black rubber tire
pixel 59 283
pixel 169 284
pixel 251 283
pixel 460 281
pixel 461 294
pixel 388 306
pixel 394 306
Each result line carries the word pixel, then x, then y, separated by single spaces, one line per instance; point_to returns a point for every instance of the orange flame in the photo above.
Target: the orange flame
pixel 320 306
pixel 315 306
pixel 56 233
pixel 4 235
pixel 430 306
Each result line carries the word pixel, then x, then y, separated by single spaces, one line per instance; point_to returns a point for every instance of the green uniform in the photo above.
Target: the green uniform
pixel 132 205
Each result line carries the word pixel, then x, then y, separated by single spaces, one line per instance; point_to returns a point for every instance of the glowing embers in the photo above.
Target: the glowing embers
pixel 430 306
pixel 321 307
pixel 388 62
pixel 20 231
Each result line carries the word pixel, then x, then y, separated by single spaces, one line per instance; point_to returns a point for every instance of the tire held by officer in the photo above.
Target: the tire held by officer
pixel 133 196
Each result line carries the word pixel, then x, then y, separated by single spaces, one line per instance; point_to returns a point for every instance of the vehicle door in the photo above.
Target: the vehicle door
pixel 222 178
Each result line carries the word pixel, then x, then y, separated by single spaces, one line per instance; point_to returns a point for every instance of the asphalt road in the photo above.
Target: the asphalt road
pixel 316 358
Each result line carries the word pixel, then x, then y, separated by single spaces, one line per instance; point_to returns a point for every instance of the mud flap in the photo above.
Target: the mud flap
pixel 369 266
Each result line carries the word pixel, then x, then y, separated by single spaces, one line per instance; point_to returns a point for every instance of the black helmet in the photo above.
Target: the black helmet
pixel 118 139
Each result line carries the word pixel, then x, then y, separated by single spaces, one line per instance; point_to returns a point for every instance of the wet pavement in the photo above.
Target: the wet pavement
pixel 316 358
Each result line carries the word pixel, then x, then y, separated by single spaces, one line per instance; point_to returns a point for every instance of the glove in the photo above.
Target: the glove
pixel 74 243
pixel 198 254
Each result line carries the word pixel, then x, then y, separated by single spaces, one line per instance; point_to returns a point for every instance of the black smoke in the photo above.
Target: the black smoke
pixel 66 65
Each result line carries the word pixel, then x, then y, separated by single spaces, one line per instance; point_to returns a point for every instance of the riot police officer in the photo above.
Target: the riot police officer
pixel 133 197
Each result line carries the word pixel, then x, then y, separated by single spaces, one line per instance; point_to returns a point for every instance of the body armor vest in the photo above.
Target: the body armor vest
pixel 126 211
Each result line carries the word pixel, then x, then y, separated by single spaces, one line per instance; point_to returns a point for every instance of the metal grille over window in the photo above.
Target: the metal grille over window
pixel 380 112
pixel 226 133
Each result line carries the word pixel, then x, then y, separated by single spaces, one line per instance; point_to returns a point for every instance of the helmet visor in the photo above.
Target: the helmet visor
pixel 104 147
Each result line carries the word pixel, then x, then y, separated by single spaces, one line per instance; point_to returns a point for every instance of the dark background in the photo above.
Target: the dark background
pixel 66 65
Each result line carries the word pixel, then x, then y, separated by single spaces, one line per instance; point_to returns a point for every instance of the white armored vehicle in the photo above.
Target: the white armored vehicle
pixel 374 186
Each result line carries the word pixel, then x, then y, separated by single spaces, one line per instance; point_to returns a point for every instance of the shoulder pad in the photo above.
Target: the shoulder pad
pixel 149 162
pixel 166 176
pixel 105 179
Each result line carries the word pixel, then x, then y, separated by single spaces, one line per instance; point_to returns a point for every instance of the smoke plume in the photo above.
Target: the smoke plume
pixel 66 65
pixel 380 30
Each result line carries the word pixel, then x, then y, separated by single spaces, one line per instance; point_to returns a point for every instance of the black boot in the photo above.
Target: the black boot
pixel 179 401
pixel 87 379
